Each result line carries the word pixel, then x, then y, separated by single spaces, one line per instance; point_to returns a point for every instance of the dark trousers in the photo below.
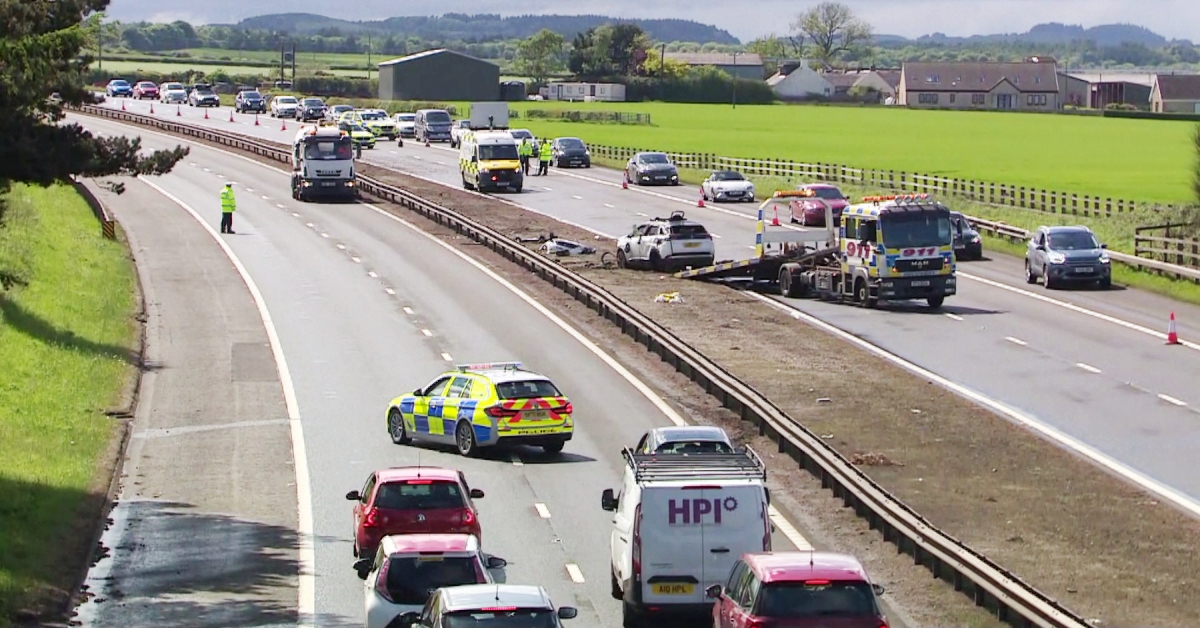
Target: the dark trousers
pixel 543 166
pixel 524 164
pixel 226 222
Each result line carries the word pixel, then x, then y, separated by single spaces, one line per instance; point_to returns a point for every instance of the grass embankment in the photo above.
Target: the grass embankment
pixel 66 347
pixel 1116 231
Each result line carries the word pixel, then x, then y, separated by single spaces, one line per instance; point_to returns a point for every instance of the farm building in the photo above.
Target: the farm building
pixel 797 81
pixel 1175 93
pixel 1030 86
pixel 845 84
pixel 610 92
pixel 439 75
pixel 741 65
pixel 1073 90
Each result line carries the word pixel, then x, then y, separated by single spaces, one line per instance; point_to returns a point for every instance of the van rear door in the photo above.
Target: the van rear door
pixel 672 545
pixel 735 524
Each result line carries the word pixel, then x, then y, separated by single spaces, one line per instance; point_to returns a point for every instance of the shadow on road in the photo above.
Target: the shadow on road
pixel 36 327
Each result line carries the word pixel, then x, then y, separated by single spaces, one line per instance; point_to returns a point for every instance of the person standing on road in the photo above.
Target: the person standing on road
pixel 547 152
pixel 228 205
pixel 525 151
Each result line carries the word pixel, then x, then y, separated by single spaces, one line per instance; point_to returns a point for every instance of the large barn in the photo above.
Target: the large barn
pixel 439 75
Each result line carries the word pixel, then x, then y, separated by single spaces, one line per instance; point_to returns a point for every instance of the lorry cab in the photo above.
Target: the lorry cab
pixel 323 164
pixel 488 161
pixel 679 525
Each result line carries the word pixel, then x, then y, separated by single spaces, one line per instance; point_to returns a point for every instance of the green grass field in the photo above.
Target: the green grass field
pixel 167 65
pixel 1142 160
pixel 272 56
pixel 65 343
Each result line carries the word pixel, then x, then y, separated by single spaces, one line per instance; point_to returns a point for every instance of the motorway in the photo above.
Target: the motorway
pixel 1089 364
pixel 365 306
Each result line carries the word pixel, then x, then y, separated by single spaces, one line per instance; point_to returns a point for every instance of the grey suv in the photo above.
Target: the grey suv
pixel 1060 255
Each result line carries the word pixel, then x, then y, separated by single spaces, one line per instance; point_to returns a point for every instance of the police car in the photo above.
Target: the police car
pixel 482 405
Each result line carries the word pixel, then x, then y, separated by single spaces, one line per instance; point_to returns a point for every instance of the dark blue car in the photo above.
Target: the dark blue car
pixel 118 87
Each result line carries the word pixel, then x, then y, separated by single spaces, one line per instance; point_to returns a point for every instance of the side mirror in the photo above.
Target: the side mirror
pixel 567 612
pixel 713 591
pixel 495 562
pixel 878 589
pixel 1040 247
pixel 474 158
pixel 363 567
pixel 409 619
pixel 1104 246
pixel 767 493
pixel 476 494
pixel 418 393
pixel 353 496
pixel 608 500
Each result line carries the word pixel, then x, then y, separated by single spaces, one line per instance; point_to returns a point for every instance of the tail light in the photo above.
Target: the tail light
pixel 381 581
pixel 755 623
pixel 636 547
pixel 371 520
pixel 468 516
pixel 499 412
pixel 568 409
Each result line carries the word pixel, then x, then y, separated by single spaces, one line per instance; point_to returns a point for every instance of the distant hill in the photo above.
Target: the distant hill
pixel 1106 35
pixel 457 26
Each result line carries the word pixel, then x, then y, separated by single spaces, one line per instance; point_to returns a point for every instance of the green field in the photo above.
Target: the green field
pixel 167 66
pixel 65 343
pixel 325 59
pixel 1143 160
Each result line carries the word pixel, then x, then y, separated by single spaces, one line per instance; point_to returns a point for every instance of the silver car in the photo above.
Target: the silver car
pixel 488 606
pixel 284 107
pixel 666 245
pixel 1061 255
pixel 172 93
pixel 685 439
pixel 727 185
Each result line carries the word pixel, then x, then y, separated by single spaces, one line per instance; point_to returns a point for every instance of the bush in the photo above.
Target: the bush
pixel 707 85
pixel 1150 115
pixel 343 86
pixel 571 115
pixel 392 106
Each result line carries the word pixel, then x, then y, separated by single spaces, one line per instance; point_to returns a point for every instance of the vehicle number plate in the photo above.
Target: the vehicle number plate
pixel 535 415
pixel 920 284
pixel 690 245
pixel 327 184
pixel 1084 269
pixel 673 588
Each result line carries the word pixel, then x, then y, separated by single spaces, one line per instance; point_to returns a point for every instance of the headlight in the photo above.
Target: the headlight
pixel 974 238
pixel 1056 258
pixel 1104 258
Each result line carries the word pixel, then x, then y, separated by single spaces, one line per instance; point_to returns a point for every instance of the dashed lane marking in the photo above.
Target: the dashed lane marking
pixel 577 197
pixel 1016 341
pixel 356 260
pixel 954 316
pixel 1171 400
pixel 575 573
pixel 1087 367
pixel 427 333
pixel 372 274
pixel 788 530
pixel 280 206
pixel 446 357
pixel 407 310
pixel 341 247
pixel 542 510
pixel 609 205
pixel 516 460
pixel 324 235
pixel 390 291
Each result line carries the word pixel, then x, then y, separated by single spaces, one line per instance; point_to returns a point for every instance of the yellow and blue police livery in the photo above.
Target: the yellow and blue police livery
pixel 482 405
pixel 901 246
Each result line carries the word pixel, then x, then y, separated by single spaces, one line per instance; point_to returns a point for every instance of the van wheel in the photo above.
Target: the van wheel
pixel 629 617
pixel 554 447
pixel 616 588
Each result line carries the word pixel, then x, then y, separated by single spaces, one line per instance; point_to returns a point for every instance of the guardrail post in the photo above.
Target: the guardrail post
pixel 1108 206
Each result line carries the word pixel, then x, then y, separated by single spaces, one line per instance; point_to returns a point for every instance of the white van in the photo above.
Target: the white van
pixel 680 523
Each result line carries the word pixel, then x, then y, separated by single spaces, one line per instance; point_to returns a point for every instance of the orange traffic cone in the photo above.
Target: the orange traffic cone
pixel 206 114
pixel 178 111
pixel 625 181
pixel 231 115
pixel 122 105
pixel 775 218
pixel 284 127
pixel 1172 336
pixel 700 203
pixel 256 119
pixel 151 108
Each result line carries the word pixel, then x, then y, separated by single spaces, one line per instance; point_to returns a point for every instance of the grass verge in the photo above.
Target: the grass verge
pixel 1117 231
pixel 66 352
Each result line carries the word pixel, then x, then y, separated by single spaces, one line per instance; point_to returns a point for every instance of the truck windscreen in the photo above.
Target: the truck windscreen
pixel 915 228
pixel 327 149
pixel 492 152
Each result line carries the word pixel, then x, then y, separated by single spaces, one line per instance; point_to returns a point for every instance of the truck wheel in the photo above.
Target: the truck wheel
pixel 935 302
pixel 790 285
pixel 862 294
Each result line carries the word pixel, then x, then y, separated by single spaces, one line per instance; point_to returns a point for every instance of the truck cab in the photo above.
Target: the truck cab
pixel 488 161
pixel 323 164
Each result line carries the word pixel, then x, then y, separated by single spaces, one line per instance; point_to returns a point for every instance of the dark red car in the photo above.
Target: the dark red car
pixel 812 213
pixel 413 500
pixel 797 590
pixel 145 89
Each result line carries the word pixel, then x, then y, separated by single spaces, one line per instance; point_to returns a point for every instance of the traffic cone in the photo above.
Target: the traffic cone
pixel 284 127
pixel 1172 336
pixel 231 115
pixel 151 108
pixel 178 111
pixel 625 181
pixel 256 119
pixel 775 218
pixel 122 105
pixel 700 203
pixel 205 113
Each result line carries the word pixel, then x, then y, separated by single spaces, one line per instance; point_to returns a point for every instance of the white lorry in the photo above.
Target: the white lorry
pixel 323 164
pixel 679 524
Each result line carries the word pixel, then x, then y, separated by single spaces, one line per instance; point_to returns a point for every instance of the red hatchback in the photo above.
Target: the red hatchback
pixel 413 500
pixel 797 590
pixel 145 89
pixel 811 213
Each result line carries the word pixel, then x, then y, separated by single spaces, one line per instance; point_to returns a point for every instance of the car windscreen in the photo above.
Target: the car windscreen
pixel 695 447
pixel 406 117
pixel 286 100
pixel 437 117
pixel 570 142
pixel 322 149
pixel 1073 241
pixel 502 618
pixel 427 495
pixel 654 158
pixel 915 228
pixel 688 232
pixel 119 83
pixel 252 96
pixel 342 108
pixel 410 579
pixel 489 152
pixel 203 91
pixel 313 102
pixel 526 389
pixel 173 86
pixel 824 599
pixel 520 135
pixel 373 115
pixel 828 193
pixel 145 84
pixel 728 176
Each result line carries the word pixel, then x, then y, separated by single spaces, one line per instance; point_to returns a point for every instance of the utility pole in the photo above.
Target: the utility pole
pixel 368 55
pixel 662 72
pixel 293 65
pixel 735 79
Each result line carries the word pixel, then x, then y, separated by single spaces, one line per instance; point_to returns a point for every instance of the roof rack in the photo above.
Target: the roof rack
pixel 490 366
pixel 676 216
pixel 741 465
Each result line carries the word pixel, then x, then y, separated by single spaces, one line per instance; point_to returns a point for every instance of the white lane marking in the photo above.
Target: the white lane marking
pixel 516 460
pixel 341 247
pixel 788 530
pixel 954 316
pixel 751 248
pixel 427 333
pixel 1016 341
pixel 265 197
pixel 575 573
pixel 192 163
pixel 356 260
pixel 324 235
pixel 1081 310
pixel 390 291
pixel 542 510
pixel 207 170
pixel 643 214
pixel 1176 497
pixel 446 357
pixel 280 205
pixel 1171 400
pixel 577 197
pixel 295 215
pixel 372 274
pixel 309 225
pixel 609 205
pixel 220 176
pixel 307 558
pixel 392 152
pixel 714 235
pixel 407 310
pixel 548 189
pixel 1087 367
pixel 249 189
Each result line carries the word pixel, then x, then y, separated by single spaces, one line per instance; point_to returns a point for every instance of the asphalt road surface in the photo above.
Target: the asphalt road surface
pixel 365 308
pixel 1090 364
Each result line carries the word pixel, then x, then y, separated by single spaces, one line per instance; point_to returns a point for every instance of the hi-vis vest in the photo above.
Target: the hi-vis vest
pixel 228 203
pixel 525 149
pixel 547 151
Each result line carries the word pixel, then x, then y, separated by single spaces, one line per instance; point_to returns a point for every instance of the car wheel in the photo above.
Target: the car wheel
pixel 656 262
pixel 1106 283
pixel 616 588
pixel 622 261
pixel 464 439
pixel 396 428
pixel 1047 283
pixel 1029 276
pixel 554 447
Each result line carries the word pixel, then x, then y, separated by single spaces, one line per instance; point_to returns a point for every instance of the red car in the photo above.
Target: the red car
pixel 145 89
pixel 812 213
pixel 797 590
pixel 413 500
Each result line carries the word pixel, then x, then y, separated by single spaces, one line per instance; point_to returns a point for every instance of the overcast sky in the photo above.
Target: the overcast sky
pixel 746 20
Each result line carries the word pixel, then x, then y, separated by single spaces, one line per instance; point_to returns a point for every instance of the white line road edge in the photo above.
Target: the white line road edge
pixel 1175 497
pixel 306 589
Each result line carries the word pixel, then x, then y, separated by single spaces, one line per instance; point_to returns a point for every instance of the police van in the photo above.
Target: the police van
pixel 679 524
pixel 488 161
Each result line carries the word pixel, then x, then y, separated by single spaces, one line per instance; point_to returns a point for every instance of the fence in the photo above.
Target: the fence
pixel 573 115
pixel 1002 194
pixel 108 226
pixel 1180 251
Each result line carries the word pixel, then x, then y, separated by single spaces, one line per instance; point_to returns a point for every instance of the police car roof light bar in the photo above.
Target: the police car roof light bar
pixel 490 366
pixel 742 465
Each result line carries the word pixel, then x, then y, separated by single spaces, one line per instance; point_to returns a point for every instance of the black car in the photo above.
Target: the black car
pixel 310 109
pixel 651 169
pixel 250 100
pixel 967 243
pixel 570 151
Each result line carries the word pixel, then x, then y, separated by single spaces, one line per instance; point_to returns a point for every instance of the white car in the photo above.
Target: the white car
pixel 408 568
pixel 489 606
pixel 169 93
pixel 406 124
pixel 666 245
pixel 727 185
pixel 456 131
pixel 561 247
pixel 284 107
